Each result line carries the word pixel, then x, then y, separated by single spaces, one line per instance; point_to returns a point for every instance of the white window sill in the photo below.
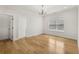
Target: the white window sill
pixel 56 30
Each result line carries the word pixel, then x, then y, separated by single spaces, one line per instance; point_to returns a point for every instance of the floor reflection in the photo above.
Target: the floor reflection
pixel 56 46
pixel 62 45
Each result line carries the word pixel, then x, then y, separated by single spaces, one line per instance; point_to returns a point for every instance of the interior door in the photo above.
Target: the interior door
pixel 4 26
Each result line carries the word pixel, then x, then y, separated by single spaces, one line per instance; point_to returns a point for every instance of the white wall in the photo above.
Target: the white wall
pixel 34 25
pixel 26 23
pixel 21 24
pixel 70 23
pixel 29 24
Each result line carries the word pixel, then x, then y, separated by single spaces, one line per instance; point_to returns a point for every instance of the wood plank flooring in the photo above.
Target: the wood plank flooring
pixel 41 44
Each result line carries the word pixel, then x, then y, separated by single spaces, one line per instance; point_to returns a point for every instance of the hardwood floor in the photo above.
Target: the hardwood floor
pixel 42 44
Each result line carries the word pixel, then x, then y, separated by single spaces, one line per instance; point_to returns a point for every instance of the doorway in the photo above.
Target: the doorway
pixel 6 26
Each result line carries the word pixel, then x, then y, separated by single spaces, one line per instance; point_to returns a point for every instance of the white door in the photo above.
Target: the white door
pixel 4 26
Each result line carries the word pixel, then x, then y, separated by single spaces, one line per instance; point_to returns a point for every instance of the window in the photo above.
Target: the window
pixel 60 25
pixel 52 25
pixel 56 25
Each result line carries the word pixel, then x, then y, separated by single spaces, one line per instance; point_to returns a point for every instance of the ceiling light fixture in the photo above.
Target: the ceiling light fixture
pixel 43 10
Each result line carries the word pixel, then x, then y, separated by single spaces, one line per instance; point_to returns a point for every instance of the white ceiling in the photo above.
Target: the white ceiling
pixel 37 8
pixel 52 8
